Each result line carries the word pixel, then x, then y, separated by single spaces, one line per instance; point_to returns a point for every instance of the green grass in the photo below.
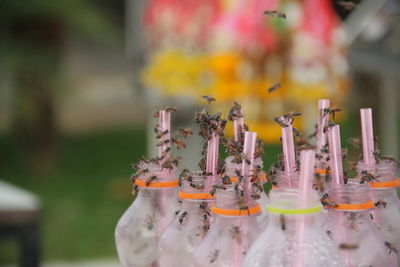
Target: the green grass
pixel 87 191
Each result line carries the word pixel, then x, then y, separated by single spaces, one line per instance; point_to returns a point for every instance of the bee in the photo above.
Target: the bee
pixel 184 132
pixel 162 142
pixel 178 143
pixel 144 160
pixel 274 87
pixel 329 233
pixel 236 234
pixel 214 256
pixel 135 190
pixel 198 186
pixel 275 13
pixel 326 202
pixel 348 246
pixel 182 216
pixel 331 111
pixel 347 5
pixel 170 163
pixel 281 122
pixel 204 207
pixel 290 116
pixel 328 126
pixel 325 149
pixel 169 109
pixel 150 220
pixel 318 183
pixel 370 215
pixel 209 99
pixel 258 186
pixel 235 112
pixel 255 196
pixel 202 164
pixel 282 220
pixel 151 179
pixel 355 142
pixel 367 177
pixel 390 247
pixel 177 212
pixel 159 133
pixel 226 180
pixel 156 114
pixel 380 203
pixel 215 188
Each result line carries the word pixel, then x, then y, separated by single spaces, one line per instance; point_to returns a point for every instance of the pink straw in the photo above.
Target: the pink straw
pixel 238 127
pixel 212 154
pixel 307 161
pixel 164 123
pixel 367 133
pixel 249 147
pixel 288 152
pixel 335 153
pixel 322 121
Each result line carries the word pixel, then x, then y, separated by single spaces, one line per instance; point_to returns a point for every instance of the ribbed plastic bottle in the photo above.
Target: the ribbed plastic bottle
pixel 383 191
pixel 190 227
pixel 140 227
pixel 350 225
pixel 280 245
pixel 235 228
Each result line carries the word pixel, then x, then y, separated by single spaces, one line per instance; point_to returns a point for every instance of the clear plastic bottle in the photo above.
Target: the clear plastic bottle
pixel 262 179
pixel 140 227
pixel 282 180
pixel 190 227
pixel 235 227
pixel 349 224
pixel 383 192
pixel 280 245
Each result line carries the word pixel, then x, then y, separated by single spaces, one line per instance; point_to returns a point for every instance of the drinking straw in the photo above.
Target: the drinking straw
pixel 288 152
pixel 215 153
pixel 238 126
pixel 336 165
pixel 249 147
pixel 307 161
pixel 164 124
pixel 322 121
pixel 367 134
pixel 335 153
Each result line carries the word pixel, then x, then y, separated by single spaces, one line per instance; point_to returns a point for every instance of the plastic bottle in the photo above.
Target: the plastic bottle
pixel 190 227
pixel 386 214
pixel 293 236
pixel 140 227
pixel 349 224
pixel 235 228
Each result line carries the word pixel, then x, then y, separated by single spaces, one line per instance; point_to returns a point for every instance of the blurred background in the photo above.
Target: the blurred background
pixel 79 80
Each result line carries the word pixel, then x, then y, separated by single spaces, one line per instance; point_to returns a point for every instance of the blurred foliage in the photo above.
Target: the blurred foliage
pixel 34 34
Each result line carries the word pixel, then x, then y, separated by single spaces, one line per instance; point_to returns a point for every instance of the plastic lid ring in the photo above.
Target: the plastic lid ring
pixel 236 212
pixel 165 184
